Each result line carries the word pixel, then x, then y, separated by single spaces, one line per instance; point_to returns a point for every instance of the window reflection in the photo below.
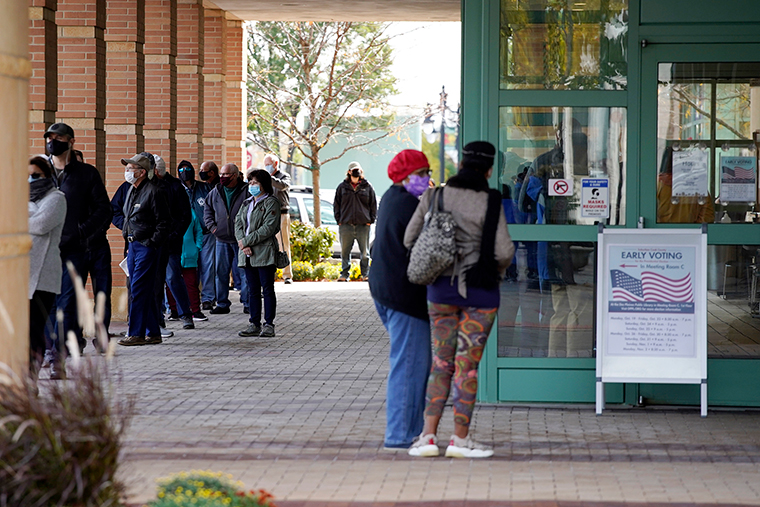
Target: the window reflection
pixel 547 301
pixel 541 145
pixel 564 44
pixel 733 301
pixel 705 116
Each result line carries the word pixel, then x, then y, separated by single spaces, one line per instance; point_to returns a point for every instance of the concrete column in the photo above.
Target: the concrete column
pixel 237 95
pixel 82 75
pixel 43 85
pixel 15 71
pixel 161 79
pixel 190 84
pixel 214 84
pixel 125 111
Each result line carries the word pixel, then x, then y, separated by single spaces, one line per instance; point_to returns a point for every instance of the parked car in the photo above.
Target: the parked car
pixel 302 208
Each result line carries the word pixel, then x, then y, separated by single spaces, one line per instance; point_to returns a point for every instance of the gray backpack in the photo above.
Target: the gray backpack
pixel 435 249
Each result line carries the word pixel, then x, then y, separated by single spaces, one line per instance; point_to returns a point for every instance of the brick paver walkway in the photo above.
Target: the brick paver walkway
pixel 302 415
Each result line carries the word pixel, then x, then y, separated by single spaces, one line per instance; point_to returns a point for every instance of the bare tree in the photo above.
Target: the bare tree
pixel 309 82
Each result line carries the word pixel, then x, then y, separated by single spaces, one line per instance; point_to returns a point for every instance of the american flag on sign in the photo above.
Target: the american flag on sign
pixel 738 173
pixel 651 287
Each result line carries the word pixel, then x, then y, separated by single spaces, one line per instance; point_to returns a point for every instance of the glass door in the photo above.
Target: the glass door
pixel 700 122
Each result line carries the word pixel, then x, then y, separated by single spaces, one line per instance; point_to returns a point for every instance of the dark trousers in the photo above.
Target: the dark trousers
pixel 176 283
pixel 190 275
pixel 142 262
pixel 261 280
pixel 39 309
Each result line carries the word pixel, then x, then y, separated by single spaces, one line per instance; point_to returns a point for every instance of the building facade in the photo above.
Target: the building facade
pixel 658 99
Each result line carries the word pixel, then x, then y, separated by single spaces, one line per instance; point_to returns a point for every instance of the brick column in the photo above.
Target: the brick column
pixel 125 108
pixel 190 106
pixel 237 110
pixel 82 75
pixel 43 85
pixel 161 79
pixel 15 70
pixel 214 85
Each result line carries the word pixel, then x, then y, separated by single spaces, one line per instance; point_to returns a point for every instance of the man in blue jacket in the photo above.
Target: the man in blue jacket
pixel 222 205
pixel 83 240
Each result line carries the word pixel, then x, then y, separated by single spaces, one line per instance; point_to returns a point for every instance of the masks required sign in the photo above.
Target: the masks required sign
pixel 595 198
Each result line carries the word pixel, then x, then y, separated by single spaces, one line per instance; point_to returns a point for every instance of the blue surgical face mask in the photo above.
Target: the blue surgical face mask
pixel 254 190
pixel 269 168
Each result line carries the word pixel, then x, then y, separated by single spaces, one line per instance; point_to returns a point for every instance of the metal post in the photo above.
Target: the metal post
pixel 441 152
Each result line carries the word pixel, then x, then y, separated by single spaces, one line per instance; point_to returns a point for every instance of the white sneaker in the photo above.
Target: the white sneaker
pixel 425 446
pixel 165 333
pixel 467 448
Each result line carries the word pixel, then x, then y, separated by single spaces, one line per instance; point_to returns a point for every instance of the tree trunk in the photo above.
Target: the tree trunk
pixel 317 206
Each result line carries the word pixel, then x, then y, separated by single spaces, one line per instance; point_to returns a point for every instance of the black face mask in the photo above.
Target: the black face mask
pixel 56 147
pixel 204 175
pixel 187 175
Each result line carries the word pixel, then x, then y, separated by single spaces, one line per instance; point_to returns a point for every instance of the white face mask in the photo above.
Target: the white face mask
pixel 130 177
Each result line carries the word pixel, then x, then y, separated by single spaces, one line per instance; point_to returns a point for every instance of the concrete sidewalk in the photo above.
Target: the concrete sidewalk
pixel 302 415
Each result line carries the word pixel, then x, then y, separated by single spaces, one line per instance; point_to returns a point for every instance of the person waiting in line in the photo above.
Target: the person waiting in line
pixel 170 263
pixel 47 212
pixel 147 223
pixel 682 209
pixel 222 205
pixel 402 305
pixel 281 185
pixel 463 301
pixel 192 242
pixel 196 193
pixel 256 225
pixel 83 240
pixel 209 175
pixel 355 209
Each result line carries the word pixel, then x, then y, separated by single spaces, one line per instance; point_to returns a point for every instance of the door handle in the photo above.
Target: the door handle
pixel 640 224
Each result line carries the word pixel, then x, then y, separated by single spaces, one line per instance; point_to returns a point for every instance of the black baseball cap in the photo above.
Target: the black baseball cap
pixel 60 129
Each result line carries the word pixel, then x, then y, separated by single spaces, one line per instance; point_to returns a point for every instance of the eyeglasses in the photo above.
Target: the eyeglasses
pixel 422 172
pixel 184 169
pixel 36 176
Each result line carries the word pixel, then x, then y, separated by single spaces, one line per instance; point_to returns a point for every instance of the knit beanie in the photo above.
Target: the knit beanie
pixel 405 163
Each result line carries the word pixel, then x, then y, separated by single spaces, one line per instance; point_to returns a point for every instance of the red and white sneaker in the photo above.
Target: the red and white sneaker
pixel 467 448
pixel 425 446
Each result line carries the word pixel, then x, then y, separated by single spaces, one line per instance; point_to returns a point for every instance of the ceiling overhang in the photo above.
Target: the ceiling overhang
pixel 340 10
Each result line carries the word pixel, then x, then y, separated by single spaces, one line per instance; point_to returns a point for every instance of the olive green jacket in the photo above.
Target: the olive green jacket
pixel 265 224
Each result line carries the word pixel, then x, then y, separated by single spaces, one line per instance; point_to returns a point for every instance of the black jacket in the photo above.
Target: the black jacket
pixel 220 219
pixel 88 210
pixel 388 283
pixel 147 218
pixel 355 207
pixel 179 208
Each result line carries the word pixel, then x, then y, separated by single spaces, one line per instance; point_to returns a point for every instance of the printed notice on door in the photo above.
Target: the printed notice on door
pixel 651 301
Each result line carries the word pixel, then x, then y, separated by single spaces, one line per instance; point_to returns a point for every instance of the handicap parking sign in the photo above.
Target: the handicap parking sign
pixel 595 198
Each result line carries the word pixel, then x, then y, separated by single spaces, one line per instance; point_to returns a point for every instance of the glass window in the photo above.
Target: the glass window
pixel 551 156
pixel 707 142
pixel 547 301
pixel 295 213
pixel 564 44
pixel 733 301
pixel 325 210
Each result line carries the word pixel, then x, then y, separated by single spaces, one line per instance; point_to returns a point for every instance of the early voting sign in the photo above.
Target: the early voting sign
pixel 652 317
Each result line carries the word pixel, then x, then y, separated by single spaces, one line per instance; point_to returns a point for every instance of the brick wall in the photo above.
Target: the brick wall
pixel 214 85
pixel 190 84
pixel 236 110
pixel 43 89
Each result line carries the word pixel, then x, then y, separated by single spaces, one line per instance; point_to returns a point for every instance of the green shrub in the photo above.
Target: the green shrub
pixel 61 448
pixel 326 271
pixel 302 270
pixel 207 489
pixel 308 243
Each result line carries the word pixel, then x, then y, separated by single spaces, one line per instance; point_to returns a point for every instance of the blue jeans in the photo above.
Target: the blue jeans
pixel 261 279
pixel 226 261
pixel 348 233
pixel 207 269
pixel 410 362
pixel 142 262
pixel 176 284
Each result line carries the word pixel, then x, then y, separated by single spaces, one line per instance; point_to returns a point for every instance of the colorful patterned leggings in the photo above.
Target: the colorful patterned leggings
pixel 459 335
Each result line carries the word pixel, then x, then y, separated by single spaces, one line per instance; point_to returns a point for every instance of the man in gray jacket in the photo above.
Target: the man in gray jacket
pixel 281 185
pixel 222 205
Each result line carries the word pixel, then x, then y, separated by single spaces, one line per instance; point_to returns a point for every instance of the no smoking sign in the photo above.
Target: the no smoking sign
pixel 561 187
